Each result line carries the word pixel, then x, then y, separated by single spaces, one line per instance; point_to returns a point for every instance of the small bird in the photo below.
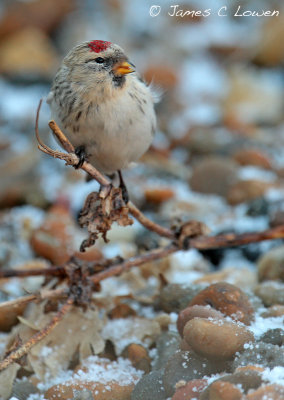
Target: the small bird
pixel 103 106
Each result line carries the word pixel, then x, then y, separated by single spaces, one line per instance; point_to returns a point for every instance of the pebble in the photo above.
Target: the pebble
pixel 216 340
pixel 43 14
pixel 263 354
pixel 113 390
pixel 175 297
pixel 271 292
pixel 196 311
pixel 187 365
pixel 252 157
pixel 166 344
pixel 161 75
pixel 271 265
pixel 158 195
pixel 221 390
pixel 258 207
pixel 213 176
pixel 190 390
pixel 28 53
pixel 149 385
pixel 53 239
pixel 273 336
pixel 267 392
pixel 244 278
pixel 228 299
pixel 138 356
pixel 247 380
pixel 246 191
pixel 121 310
pixel 273 311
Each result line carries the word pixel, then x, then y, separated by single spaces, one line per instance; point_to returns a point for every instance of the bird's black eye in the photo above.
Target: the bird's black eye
pixel 99 60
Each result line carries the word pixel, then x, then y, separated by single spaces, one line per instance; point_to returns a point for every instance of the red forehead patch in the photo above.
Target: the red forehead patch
pixel 98 45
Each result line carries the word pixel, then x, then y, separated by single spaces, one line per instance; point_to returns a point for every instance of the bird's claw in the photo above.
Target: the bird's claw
pixel 81 154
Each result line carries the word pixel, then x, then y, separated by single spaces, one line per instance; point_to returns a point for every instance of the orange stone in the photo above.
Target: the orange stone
pixel 190 390
pixel 138 356
pixel 100 391
pixel 271 392
pixel 220 390
pixel 252 157
pixel 161 75
pixel 158 195
pixel 228 299
pixel 53 239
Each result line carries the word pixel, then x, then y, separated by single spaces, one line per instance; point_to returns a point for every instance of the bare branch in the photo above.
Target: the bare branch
pixel 134 262
pixel 44 295
pixel 23 273
pixel 37 337
pixel 232 240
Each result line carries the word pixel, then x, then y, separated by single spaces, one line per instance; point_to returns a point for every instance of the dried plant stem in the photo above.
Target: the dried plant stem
pixel 232 240
pixel 147 223
pixel 37 337
pixel 201 243
pixel 44 295
pixel 23 273
pixel 134 262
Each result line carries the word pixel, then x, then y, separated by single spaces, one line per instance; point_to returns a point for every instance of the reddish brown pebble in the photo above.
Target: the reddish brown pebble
pixel 218 340
pixel 196 311
pixel 53 239
pixel 245 191
pixel 274 311
pixel 110 390
pixel 220 390
pixel 163 76
pixel 268 392
pixel 121 311
pixel 190 390
pixel 252 157
pixel 138 357
pixel 228 299
pixel 158 195
pixel 249 367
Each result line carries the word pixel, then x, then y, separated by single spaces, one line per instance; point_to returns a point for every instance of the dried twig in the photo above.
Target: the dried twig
pixel 37 337
pixel 23 273
pixel 44 295
pixel 134 262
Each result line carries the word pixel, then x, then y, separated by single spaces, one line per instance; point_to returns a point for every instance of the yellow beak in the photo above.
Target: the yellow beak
pixel 123 68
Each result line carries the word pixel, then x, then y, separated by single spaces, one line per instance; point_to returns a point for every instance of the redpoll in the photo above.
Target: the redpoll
pixel 103 107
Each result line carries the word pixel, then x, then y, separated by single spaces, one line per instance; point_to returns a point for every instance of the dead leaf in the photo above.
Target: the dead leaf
pixel 99 214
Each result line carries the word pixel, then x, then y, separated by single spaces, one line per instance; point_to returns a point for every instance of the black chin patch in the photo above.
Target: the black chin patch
pixel 118 81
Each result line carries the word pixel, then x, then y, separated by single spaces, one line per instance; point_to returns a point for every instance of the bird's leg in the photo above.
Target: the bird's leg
pixel 81 153
pixel 123 188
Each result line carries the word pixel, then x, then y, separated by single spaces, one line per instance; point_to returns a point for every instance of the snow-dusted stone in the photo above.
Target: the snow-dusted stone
pixel 262 354
pixel 216 339
pixel 228 299
pixel 148 386
pixel 196 311
pixel 187 365
pixel 271 265
pixel 103 378
pixel 189 390
pixel 271 292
